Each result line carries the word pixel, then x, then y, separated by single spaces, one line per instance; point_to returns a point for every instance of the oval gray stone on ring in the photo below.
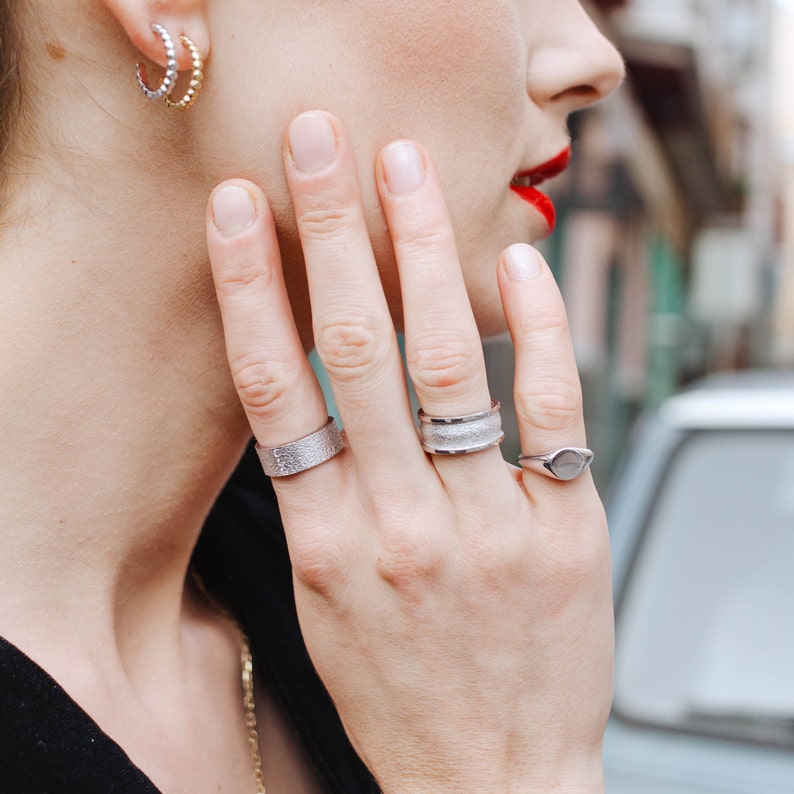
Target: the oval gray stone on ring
pixel 562 464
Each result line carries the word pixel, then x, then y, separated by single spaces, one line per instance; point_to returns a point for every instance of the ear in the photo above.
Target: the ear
pixel 178 17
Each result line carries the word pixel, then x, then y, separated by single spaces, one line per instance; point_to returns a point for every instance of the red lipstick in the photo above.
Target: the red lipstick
pixel 524 182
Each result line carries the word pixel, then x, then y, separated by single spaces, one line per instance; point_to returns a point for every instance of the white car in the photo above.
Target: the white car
pixel 702 524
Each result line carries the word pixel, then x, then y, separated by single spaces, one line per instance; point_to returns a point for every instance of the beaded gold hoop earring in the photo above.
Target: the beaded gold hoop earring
pixel 168 82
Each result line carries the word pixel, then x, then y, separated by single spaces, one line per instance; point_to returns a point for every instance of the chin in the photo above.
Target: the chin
pixel 490 327
pixel 488 313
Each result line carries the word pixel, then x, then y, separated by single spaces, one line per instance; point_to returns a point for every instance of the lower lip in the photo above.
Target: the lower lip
pixel 540 201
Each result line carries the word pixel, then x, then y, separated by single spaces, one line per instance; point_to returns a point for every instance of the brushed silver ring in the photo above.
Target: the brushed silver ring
pixel 461 435
pixel 303 454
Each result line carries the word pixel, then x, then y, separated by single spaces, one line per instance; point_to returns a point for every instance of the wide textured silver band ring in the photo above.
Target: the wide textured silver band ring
pixel 303 454
pixel 562 464
pixel 461 435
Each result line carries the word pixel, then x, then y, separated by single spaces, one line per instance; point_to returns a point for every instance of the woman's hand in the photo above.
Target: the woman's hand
pixel 458 609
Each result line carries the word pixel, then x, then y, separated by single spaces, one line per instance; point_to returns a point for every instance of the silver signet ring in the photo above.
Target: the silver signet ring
pixel 561 464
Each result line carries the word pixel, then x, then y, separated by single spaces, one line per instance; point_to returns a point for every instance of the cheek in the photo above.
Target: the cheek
pixel 452 76
pixel 443 72
pixel 456 66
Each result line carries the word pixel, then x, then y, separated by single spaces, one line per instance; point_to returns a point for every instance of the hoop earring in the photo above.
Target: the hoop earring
pixel 169 79
pixel 196 76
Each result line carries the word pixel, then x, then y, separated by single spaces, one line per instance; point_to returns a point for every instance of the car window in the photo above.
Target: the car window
pixel 705 629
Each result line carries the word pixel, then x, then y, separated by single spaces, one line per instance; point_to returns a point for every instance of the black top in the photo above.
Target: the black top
pixel 48 744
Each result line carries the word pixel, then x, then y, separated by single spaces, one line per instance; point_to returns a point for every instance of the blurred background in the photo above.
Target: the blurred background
pixel 675 253
pixel 675 241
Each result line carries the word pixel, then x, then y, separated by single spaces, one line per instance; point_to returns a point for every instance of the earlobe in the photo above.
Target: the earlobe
pixel 183 17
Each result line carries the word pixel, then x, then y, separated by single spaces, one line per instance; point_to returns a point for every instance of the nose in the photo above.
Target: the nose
pixel 571 64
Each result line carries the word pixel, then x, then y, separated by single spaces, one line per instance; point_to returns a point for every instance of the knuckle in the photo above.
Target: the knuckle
pixel 351 345
pixel 243 271
pixel 552 407
pixel 243 280
pixel 422 239
pixel 262 385
pixel 323 553
pixel 447 362
pixel 498 559
pixel 317 563
pixel 408 559
pixel 335 220
pixel 549 325
pixel 496 567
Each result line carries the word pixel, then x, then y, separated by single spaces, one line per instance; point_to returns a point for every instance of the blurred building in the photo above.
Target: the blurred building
pixel 782 55
pixel 668 247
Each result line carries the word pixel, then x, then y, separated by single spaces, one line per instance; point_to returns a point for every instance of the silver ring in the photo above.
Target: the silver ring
pixel 461 435
pixel 562 464
pixel 303 454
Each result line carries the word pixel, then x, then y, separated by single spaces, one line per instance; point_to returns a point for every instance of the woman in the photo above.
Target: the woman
pixel 457 609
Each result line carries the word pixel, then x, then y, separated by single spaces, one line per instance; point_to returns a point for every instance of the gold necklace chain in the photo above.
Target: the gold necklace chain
pixel 247 675
pixel 247 663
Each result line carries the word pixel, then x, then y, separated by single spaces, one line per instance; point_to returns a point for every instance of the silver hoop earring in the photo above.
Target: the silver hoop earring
pixel 169 79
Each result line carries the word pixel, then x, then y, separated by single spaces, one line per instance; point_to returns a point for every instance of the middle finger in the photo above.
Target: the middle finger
pixel 353 331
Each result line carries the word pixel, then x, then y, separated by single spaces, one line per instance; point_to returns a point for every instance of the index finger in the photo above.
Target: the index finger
pixel 272 375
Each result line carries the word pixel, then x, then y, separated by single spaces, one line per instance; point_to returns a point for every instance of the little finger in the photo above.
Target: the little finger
pixel 548 396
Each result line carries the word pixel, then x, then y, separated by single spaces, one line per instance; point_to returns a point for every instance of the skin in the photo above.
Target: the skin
pixel 116 370
pixel 486 90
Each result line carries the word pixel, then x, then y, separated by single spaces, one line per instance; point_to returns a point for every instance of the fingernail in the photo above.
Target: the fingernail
pixel 403 167
pixel 233 210
pixel 521 262
pixel 312 142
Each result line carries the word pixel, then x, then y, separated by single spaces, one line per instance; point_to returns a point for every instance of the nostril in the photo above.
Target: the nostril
pixel 585 93
pixel 575 75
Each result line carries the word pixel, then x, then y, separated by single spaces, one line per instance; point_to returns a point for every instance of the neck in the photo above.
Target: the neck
pixel 119 424
pixel 118 420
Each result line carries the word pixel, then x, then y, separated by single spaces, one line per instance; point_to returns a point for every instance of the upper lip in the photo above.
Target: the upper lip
pixel 540 173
